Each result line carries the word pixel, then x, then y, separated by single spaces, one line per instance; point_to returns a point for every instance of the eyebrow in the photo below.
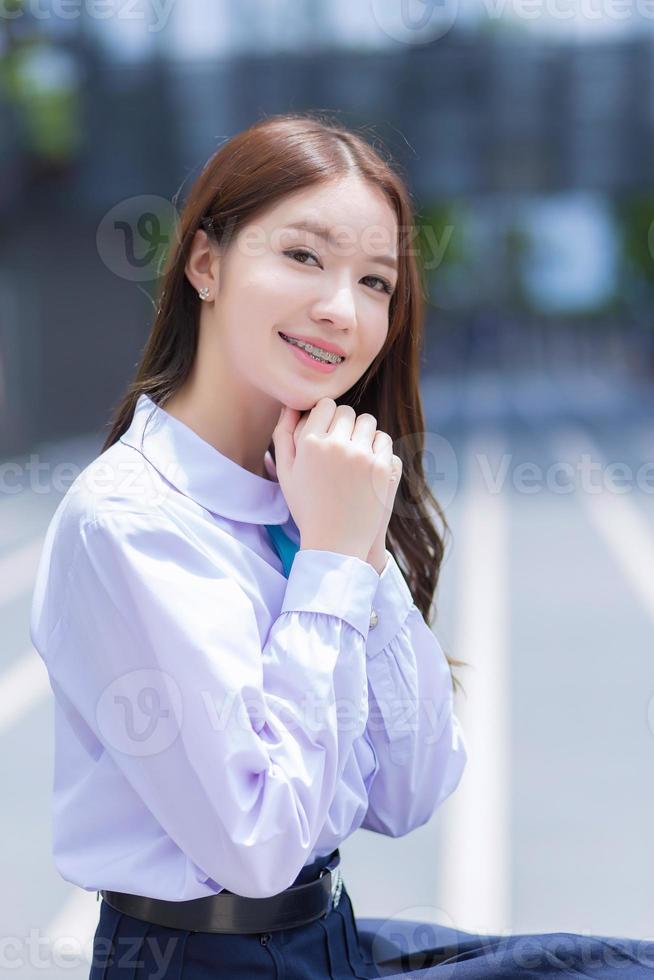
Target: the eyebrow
pixel 322 231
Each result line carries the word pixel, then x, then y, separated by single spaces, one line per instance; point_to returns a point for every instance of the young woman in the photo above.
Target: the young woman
pixel 243 671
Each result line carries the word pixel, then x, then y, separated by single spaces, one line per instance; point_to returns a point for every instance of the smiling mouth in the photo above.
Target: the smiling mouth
pixel 317 353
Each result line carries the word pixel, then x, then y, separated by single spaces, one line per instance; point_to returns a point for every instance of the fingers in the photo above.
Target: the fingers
pixel 320 417
pixel 288 419
pixel 364 430
pixel 300 427
pixel 347 426
pixel 283 436
pixel 382 445
pixel 382 448
pixel 342 423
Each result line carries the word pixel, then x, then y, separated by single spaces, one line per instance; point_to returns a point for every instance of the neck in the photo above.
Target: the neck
pixel 236 423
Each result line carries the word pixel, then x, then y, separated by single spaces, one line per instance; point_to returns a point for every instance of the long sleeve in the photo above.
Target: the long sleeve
pixel 417 739
pixel 234 745
pixel 412 754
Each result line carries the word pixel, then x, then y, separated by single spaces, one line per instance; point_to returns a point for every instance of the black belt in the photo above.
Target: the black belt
pixel 227 912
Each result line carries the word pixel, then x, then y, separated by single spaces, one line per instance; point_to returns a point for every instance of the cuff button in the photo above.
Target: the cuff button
pixel 374 619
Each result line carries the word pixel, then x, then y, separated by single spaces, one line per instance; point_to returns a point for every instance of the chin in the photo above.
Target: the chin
pixel 304 404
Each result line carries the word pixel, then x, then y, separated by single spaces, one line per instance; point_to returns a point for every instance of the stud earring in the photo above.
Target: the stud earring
pixel 204 292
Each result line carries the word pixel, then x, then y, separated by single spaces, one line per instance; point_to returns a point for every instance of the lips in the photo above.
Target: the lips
pixel 317 342
pixel 318 364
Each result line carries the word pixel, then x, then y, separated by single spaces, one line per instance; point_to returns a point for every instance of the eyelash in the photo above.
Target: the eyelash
pixel 303 251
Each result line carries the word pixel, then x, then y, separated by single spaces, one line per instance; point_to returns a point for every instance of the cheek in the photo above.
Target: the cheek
pixel 375 336
pixel 259 279
pixel 270 276
pixel 254 308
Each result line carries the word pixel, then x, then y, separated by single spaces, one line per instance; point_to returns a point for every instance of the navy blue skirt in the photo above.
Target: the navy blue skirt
pixel 338 946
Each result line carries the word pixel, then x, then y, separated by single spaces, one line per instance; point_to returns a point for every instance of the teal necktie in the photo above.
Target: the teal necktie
pixel 283 545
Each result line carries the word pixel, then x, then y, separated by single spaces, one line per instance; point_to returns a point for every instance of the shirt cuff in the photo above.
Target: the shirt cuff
pixel 332 583
pixel 391 605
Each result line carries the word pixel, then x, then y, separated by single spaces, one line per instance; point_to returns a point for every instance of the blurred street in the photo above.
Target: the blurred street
pixel 548 593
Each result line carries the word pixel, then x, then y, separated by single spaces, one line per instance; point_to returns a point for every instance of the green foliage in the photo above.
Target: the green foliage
pixel 634 225
pixel 634 220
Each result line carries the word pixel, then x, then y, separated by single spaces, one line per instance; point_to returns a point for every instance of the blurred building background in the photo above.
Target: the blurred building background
pixel 531 158
pixel 527 139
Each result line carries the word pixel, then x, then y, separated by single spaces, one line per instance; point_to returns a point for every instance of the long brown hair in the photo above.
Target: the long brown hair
pixel 248 174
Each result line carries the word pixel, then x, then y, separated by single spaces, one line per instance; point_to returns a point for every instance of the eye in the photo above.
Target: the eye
pixel 300 251
pixel 385 284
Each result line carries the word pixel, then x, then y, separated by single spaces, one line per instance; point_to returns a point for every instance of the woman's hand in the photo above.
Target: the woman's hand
pixel 333 480
pixel 377 554
pixel 382 444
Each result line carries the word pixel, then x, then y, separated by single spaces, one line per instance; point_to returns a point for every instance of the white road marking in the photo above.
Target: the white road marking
pixel 18 571
pixel 619 522
pixel 71 932
pixel 476 859
pixel 22 686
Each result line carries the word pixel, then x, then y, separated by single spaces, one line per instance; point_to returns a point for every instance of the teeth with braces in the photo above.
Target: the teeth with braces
pixel 317 352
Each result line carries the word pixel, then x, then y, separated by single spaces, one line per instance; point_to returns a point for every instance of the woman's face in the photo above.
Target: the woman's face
pixel 277 278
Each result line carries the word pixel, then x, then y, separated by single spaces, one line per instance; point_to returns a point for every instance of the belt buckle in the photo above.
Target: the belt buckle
pixel 336 884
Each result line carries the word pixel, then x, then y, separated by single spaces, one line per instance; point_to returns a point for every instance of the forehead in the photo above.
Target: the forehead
pixel 349 203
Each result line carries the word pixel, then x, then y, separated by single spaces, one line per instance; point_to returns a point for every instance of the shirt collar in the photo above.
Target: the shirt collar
pixel 198 470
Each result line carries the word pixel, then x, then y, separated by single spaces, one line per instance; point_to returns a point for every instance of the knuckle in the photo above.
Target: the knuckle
pixel 311 440
pixel 351 449
pixel 355 455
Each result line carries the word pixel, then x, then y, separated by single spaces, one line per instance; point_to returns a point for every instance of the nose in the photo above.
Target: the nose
pixel 337 305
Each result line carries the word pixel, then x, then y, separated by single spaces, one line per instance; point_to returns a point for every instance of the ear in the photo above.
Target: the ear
pixel 202 266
